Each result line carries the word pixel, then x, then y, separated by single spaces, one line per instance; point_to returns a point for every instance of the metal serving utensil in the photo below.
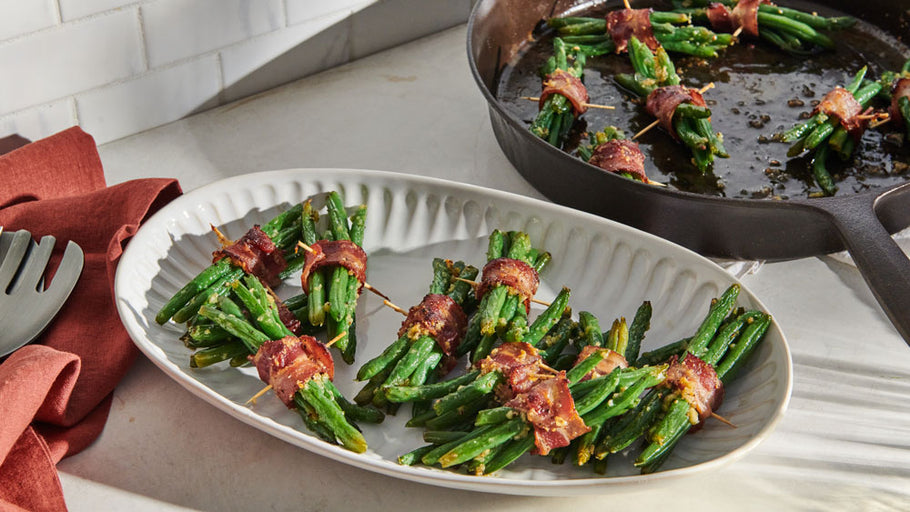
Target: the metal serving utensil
pixel 26 306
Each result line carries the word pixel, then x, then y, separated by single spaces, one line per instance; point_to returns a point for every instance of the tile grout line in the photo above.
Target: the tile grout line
pixel 142 42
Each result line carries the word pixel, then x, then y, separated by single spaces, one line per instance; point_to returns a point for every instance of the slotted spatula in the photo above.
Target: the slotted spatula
pixel 26 306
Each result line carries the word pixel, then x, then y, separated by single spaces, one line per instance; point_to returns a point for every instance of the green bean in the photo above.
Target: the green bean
pixel 585 366
pixel 359 225
pixel 443 436
pixel 590 330
pixel 460 290
pixel 470 448
pixel 419 350
pixel 727 334
pixel 490 307
pixel 812 20
pixel 663 353
pixel 217 354
pixel 414 456
pixel 391 354
pixel 797 28
pixel 495 416
pixel 719 309
pixel 220 287
pixel 238 327
pixel 202 336
pixel 511 451
pixel 463 416
pixel 617 338
pixel 428 364
pixel 619 404
pixel 820 171
pixel 480 387
pixel 353 412
pixel 632 425
pixel 315 394
pixel 546 320
pixel 745 345
pixel 428 391
pixel 432 457
pixel 472 336
pixel 640 325
pixel 687 135
pixel 589 401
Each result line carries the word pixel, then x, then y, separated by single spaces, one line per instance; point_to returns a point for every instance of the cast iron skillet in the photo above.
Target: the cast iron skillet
pixel 711 225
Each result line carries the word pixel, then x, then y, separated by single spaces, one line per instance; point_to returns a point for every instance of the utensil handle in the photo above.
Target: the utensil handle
pixel 878 257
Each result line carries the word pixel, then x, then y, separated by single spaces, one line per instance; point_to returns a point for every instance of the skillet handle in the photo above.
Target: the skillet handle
pixel 879 259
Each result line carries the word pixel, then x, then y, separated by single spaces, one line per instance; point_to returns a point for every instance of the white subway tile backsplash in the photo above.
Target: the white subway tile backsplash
pixel 19 18
pixel 387 23
pixel 153 99
pixel 282 56
pixel 75 9
pixel 39 122
pixel 52 64
pixel 302 11
pixel 178 29
pixel 117 67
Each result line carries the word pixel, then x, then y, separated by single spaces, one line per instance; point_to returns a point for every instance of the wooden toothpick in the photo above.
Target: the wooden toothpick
pixel 549 369
pixel 588 105
pixel 261 392
pixel 656 122
pixel 335 339
pixel 723 420
pixel 646 129
pixel 368 286
pixel 223 240
pixel 475 284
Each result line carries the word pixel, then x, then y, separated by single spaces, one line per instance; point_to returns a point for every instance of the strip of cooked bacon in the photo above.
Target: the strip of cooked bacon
pixel 662 103
pixel 900 89
pixel 334 253
pixel 550 409
pixel 620 155
pixel 289 363
pixel 256 254
pixel 439 317
pixel 720 18
pixel 287 318
pixel 565 83
pixel 519 364
pixel 697 383
pixel 744 15
pixel 841 104
pixel 625 23
pixel 611 360
pixel 513 273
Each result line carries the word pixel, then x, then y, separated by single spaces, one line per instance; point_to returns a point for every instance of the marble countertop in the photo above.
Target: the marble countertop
pixel 843 444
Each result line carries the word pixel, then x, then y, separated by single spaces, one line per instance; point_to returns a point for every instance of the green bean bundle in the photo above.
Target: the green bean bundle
pixel 417 355
pixel 320 404
pixel 723 341
pixel 333 291
pixel 790 30
pixel 896 90
pixel 557 113
pixel 689 121
pixel 283 230
pixel 833 128
pixel 671 29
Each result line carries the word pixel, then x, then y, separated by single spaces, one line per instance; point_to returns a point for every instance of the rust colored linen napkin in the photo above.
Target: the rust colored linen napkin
pixel 55 394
